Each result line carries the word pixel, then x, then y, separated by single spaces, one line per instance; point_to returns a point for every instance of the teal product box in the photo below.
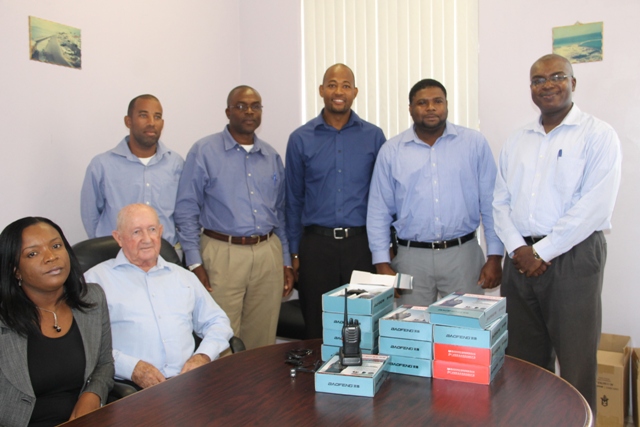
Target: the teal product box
pixel 370 299
pixel 467 310
pixel 407 348
pixel 470 337
pixel 368 324
pixel 327 351
pixel 334 337
pixel 409 366
pixel 408 322
pixel 362 380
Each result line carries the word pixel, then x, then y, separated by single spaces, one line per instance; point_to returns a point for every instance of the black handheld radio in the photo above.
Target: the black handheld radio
pixel 350 354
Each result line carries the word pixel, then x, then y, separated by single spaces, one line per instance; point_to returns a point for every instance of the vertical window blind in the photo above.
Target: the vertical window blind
pixel 390 45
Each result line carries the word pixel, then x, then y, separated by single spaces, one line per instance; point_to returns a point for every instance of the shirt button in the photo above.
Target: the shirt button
pixel 148 184
pixel 258 227
pixel 339 190
pixel 339 170
pixel 148 203
pixel 436 200
pixel 249 174
pixel 246 157
pixel 251 192
pixel 255 211
pixel 433 164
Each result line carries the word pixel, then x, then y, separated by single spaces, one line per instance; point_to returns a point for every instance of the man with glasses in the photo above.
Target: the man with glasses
pixel 329 164
pixel 434 184
pixel 232 189
pixel 555 191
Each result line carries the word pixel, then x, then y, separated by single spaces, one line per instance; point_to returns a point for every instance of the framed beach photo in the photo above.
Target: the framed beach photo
pixel 579 42
pixel 54 43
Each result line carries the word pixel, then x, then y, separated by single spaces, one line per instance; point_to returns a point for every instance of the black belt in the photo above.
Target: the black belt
pixel 337 233
pixel 444 244
pixel 532 239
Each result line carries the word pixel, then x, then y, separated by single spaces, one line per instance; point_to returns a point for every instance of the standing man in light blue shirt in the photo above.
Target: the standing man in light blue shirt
pixel 140 169
pixel 154 306
pixel 232 189
pixel 434 184
pixel 555 191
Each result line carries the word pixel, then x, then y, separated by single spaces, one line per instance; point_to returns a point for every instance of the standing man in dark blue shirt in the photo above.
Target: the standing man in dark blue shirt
pixel 329 165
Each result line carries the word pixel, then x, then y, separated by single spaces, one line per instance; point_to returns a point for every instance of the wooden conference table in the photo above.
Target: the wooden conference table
pixel 255 388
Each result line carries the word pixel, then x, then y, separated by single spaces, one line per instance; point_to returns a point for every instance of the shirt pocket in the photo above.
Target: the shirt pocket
pixel 568 174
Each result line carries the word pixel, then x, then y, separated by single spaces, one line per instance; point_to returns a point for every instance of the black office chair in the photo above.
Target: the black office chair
pixel 290 320
pixel 94 251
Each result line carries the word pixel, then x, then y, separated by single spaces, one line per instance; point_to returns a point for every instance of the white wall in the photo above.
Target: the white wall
pixel 53 119
pixel 512 36
pixel 271 62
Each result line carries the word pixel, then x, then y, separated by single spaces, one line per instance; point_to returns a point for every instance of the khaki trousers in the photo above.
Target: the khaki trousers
pixel 247 283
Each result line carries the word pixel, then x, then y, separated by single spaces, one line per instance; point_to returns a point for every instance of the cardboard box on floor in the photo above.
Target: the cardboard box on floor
pixel 635 381
pixel 612 381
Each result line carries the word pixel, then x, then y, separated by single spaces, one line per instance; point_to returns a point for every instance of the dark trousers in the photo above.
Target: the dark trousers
pixel 325 264
pixel 560 314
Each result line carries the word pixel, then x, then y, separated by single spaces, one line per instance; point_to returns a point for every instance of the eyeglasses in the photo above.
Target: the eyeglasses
pixel 556 78
pixel 245 107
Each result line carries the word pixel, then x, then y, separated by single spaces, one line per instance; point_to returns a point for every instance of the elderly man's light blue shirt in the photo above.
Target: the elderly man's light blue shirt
pixel 118 178
pixel 432 193
pixel 154 313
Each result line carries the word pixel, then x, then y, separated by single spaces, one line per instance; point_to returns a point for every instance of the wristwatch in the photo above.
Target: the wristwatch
pixel 535 254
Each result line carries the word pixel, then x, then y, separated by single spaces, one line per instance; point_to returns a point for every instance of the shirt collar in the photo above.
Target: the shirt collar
pixel 230 143
pixel 354 120
pixel 121 260
pixel 450 131
pixel 571 119
pixel 122 149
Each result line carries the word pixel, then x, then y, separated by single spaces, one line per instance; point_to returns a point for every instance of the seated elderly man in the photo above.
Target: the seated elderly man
pixel 155 305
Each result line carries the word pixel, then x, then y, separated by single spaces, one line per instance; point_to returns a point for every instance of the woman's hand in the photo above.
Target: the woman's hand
pixel 86 403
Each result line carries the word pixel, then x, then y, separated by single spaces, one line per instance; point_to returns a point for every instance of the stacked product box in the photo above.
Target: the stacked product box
pixel 469 337
pixel 364 380
pixel 406 337
pixel 366 304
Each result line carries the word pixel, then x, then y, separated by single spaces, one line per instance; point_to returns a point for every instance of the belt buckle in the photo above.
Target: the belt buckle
pixel 257 237
pixel 335 236
pixel 437 243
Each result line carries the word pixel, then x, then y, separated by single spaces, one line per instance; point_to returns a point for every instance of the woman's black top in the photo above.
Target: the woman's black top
pixel 56 369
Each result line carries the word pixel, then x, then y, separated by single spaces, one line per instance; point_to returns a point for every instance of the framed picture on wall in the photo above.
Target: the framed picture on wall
pixel 579 42
pixel 54 43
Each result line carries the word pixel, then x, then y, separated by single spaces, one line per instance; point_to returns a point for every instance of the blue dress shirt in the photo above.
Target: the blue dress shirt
pixel 562 184
pixel 328 174
pixel 153 315
pixel 229 190
pixel 117 178
pixel 435 193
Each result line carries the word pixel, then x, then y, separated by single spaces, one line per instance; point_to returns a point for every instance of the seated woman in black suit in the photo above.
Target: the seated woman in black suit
pixel 55 336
